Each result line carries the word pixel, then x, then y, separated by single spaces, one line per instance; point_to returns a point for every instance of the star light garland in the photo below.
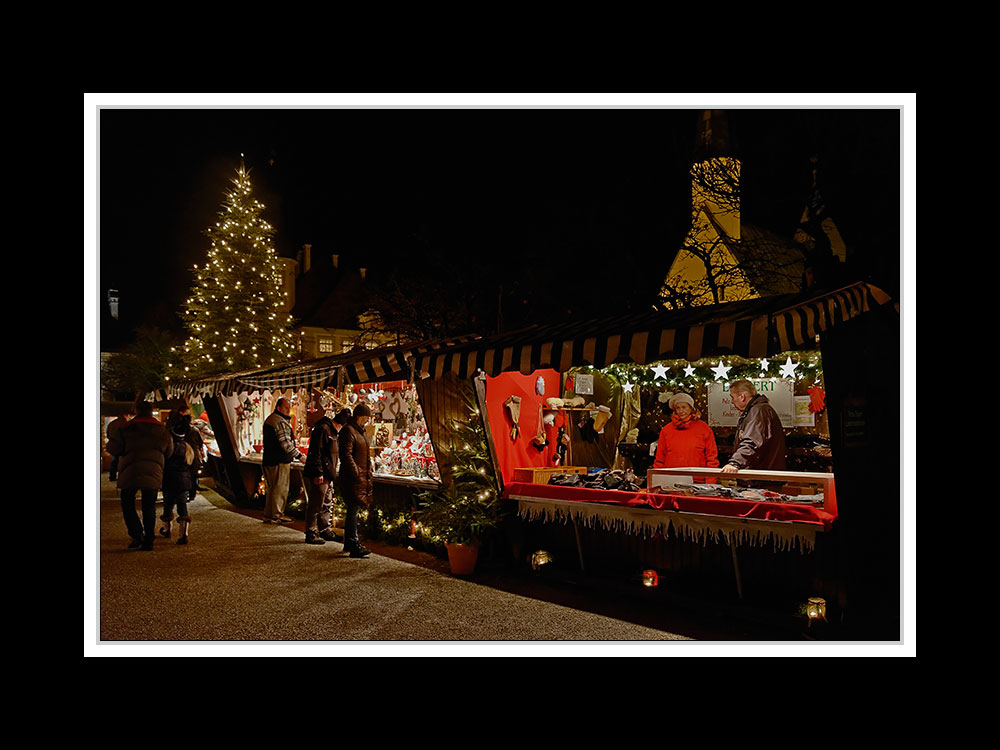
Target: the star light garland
pixel 677 373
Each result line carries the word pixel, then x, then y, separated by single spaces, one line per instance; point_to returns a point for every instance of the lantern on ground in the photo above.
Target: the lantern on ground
pixel 650 579
pixel 816 610
pixel 540 558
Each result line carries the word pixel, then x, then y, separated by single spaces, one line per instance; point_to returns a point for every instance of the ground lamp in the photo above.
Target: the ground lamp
pixel 650 579
pixel 816 610
pixel 540 558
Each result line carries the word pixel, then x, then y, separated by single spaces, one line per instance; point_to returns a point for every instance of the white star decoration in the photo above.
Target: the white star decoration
pixel 689 371
pixel 764 364
pixel 788 369
pixel 627 388
pixel 721 371
pixel 661 371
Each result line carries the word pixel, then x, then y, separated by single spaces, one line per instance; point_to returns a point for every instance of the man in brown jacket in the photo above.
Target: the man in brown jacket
pixel 355 476
pixel 759 442
pixel 142 447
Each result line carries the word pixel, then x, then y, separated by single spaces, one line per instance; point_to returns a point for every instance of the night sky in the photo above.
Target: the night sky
pixel 594 201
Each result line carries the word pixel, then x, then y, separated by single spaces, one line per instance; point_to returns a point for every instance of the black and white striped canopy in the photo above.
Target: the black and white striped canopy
pixel 752 328
pixel 385 363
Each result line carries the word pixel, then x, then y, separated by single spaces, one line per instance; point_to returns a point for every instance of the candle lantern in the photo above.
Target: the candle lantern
pixel 649 578
pixel 816 610
pixel 540 558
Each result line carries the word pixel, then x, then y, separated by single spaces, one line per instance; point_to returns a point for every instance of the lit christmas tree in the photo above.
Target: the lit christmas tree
pixel 234 314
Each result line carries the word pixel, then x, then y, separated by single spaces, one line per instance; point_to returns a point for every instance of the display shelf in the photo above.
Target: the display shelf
pixel 790 482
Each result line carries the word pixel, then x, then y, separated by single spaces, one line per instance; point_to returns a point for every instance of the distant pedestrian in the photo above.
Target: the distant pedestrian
pixel 759 442
pixel 177 482
pixel 279 452
pixel 113 428
pixel 142 446
pixel 355 476
pixel 320 474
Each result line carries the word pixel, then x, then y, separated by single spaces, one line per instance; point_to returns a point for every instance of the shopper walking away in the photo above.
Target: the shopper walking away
pixel 182 417
pixel 320 474
pixel 279 452
pixel 177 483
pixel 142 447
pixel 113 429
pixel 355 476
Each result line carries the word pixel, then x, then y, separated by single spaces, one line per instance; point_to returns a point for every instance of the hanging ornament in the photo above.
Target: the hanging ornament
pixel 627 387
pixel 788 369
pixel 721 371
pixel 660 372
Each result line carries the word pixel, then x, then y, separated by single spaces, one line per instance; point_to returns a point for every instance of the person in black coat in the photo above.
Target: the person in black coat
pixel 177 482
pixel 355 476
pixel 320 473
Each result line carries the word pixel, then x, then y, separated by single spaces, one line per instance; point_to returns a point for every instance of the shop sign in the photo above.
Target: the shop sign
pixel 780 394
pixel 584 385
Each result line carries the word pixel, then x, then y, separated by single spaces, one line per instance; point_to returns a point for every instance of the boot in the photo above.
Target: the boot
pixel 184 522
pixel 165 531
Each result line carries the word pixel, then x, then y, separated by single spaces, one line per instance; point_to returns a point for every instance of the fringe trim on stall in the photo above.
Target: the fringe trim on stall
pixel 782 535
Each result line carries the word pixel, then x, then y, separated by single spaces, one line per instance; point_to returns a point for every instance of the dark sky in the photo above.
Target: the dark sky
pixel 597 199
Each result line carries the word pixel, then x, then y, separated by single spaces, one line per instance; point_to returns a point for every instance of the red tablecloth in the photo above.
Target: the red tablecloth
pixel 717 506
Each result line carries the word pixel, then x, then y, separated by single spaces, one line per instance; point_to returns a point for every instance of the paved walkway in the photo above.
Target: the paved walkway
pixel 242 582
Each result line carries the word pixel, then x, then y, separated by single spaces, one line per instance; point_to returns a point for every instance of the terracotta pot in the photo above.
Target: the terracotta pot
pixel 462 558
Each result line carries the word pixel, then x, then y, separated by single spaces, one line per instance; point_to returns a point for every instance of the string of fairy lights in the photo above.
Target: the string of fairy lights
pixel 234 314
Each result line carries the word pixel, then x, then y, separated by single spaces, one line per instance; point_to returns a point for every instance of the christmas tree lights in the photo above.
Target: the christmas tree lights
pixel 234 315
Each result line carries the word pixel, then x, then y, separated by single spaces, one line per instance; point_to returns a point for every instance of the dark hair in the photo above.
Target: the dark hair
pixel 362 410
pixel 343 416
pixel 144 409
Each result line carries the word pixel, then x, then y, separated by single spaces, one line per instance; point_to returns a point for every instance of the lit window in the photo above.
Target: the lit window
pixel 326 346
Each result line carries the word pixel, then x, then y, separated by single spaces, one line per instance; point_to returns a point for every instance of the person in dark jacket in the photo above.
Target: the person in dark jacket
pixel 142 447
pixel 279 452
pixel 320 473
pixel 355 476
pixel 182 416
pixel 113 429
pixel 177 482
pixel 759 442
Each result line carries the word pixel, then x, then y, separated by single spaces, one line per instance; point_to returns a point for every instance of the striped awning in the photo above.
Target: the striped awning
pixel 751 328
pixel 384 363
pixel 802 322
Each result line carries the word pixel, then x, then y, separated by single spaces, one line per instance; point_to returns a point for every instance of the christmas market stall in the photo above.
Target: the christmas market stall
pixel 573 414
pixel 234 406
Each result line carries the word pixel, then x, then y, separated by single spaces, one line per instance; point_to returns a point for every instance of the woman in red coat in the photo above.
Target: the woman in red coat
pixel 686 440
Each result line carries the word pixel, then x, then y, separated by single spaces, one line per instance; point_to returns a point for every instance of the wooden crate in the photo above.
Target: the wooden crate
pixel 541 474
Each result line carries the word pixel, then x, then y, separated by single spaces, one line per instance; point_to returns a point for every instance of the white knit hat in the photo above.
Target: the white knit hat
pixel 680 398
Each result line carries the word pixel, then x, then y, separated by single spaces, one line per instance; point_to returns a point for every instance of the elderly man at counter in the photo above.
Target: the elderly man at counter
pixel 759 442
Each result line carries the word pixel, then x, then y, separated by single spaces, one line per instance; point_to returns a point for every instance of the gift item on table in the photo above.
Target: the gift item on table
pixel 540 386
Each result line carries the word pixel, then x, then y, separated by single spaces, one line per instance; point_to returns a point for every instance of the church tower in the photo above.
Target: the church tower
pixel 705 271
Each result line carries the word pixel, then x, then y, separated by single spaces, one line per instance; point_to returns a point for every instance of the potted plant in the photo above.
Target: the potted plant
pixel 468 506
pixel 461 515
